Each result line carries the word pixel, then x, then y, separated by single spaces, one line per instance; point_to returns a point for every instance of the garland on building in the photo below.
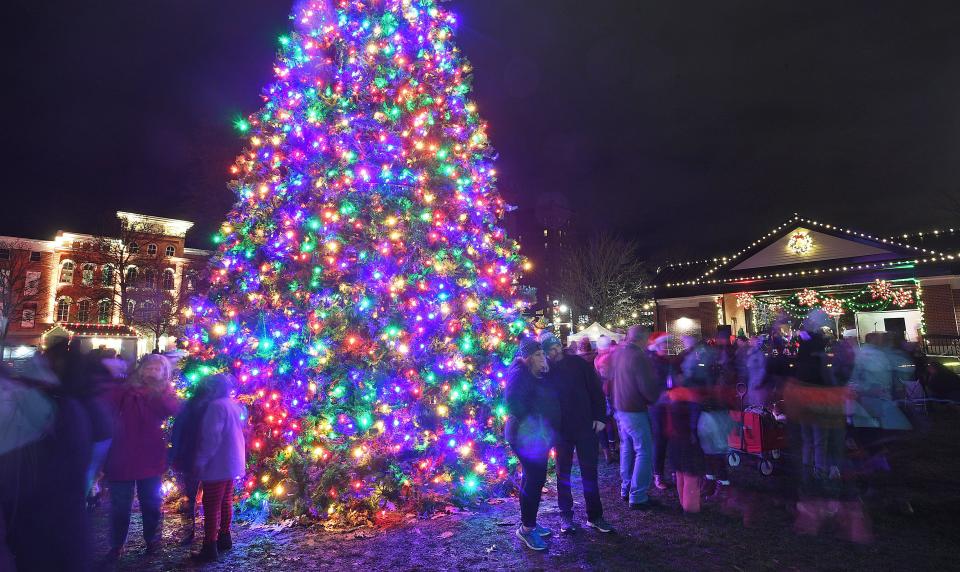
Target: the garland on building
pixel 875 297
pixel 363 293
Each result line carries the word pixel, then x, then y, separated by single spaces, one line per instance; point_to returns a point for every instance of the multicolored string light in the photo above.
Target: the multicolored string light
pixel 363 294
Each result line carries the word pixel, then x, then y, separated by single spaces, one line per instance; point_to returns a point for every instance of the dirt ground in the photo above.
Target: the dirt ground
pixel 927 473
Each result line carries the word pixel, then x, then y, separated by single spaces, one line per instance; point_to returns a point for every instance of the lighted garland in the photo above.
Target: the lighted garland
pixel 363 293
pixel 800 303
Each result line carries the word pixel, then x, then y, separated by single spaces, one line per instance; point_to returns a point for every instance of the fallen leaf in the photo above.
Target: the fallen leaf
pixel 446 534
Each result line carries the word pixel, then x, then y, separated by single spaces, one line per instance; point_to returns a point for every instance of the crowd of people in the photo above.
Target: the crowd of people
pixel 674 408
pixel 74 423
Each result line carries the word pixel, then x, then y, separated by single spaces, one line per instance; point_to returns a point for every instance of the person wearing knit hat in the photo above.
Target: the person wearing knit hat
pixel 531 429
pixel 582 416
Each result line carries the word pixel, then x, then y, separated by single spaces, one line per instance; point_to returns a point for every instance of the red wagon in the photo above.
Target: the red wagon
pixel 757 432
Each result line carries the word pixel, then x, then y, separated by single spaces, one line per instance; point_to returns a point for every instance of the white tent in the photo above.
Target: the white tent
pixel 594 331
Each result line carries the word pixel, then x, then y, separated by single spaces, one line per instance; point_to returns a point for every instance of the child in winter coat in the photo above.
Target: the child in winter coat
pixel 221 458
pixel 185 438
pixel 138 453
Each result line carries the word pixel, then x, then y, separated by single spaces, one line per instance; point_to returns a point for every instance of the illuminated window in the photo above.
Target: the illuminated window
pixel 83 311
pixel 168 279
pixel 104 311
pixel 86 274
pixel 66 272
pixel 63 309
pixel 106 278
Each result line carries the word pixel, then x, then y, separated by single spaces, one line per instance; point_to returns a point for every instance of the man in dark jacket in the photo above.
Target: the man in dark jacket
pixel 531 431
pixel 634 389
pixel 582 416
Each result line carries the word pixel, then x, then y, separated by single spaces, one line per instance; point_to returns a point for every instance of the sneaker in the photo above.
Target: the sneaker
pixel 533 541
pixel 645 505
pixel 567 525
pixel 659 483
pixel 542 531
pixel 600 525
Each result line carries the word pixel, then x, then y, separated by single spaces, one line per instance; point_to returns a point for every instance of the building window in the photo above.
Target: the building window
pixel 106 278
pixel 35 256
pixel 28 317
pixel 104 311
pixel 168 279
pixel 152 249
pixel 191 281
pixel 77 245
pixel 63 310
pixel 131 308
pixel 83 311
pixel 131 276
pixel 86 274
pixel 171 251
pixel 149 279
pixel 4 254
pixel 66 273
pixel 134 248
pixel 87 246
pixel 148 310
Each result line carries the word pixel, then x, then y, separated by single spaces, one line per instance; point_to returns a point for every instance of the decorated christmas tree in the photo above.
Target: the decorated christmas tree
pixel 363 294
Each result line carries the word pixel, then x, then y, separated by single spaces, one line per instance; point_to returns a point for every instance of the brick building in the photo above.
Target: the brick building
pixel 866 283
pixel 123 291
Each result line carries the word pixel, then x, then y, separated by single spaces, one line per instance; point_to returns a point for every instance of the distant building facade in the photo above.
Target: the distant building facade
pixel 125 291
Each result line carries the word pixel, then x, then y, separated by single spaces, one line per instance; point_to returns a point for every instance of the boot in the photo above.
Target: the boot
pixel 208 553
pixel 659 483
pixel 224 542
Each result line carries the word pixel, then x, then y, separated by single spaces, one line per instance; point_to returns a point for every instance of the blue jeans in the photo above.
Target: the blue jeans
pixel 636 455
pixel 121 503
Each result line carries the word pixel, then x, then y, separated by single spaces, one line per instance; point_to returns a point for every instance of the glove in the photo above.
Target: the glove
pixel 598 426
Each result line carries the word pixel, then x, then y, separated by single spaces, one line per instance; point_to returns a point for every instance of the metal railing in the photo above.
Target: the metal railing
pixel 941 345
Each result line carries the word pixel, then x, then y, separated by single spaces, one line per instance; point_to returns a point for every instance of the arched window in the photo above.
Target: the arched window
pixel 191 279
pixel 86 274
pixel 148 310
pixel 149 279
pixel 66 272
pixel 152 249
pixel 131 308
pixel 104 311
pixel 63 310
pixel 83 311
pixel 168 279
pixel 170 250
pixel 132 276
pixel 106 277
pixel 134 248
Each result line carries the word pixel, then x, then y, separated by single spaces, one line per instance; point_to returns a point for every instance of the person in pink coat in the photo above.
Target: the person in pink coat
pixel 221 458
pixel 138 453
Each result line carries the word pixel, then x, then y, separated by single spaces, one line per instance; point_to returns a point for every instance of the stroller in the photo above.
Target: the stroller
pixel 757 432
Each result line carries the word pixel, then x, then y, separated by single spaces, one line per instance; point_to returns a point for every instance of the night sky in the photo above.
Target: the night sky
pixel 692 126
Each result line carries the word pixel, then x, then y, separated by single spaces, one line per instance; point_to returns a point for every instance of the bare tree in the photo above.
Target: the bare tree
pixel 124 256
pixel 605 279
pixel 19 286
pixel 157 300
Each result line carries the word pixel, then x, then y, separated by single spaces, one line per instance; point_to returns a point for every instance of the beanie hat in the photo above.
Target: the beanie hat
pixel 548 340
pixel 528 347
